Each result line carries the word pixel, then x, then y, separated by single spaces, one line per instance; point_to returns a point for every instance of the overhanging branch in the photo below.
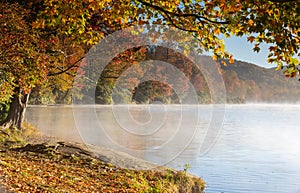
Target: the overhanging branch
pixel 283 1
pixel 168 14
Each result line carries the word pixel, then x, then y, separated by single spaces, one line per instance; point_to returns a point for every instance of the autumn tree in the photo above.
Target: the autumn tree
pixel 32 58
pixel 23 62
pixel 274 22
pixel 35 35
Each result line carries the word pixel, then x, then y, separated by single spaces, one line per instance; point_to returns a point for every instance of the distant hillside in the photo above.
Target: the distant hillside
pixel 123 82
pixel 247 82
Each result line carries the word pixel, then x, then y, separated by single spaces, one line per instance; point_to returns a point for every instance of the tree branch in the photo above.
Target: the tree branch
pixel 176 26
pixel 67 69
pixel 168 13
pixel 282 1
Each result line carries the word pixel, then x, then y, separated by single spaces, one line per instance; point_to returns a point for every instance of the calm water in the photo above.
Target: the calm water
pixel 235 148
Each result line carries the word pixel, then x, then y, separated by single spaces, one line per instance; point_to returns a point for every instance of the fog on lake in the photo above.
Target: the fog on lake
pixel 235 148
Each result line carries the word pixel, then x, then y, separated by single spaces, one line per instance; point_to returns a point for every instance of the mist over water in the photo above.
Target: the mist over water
pixel 258 149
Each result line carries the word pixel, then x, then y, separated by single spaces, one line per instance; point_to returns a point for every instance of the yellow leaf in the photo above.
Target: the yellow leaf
pixel 186 52
pixel 214 57
pixel 250 22
pixel 224 63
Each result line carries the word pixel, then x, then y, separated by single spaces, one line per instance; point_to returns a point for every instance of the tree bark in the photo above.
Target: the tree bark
pixel 17 109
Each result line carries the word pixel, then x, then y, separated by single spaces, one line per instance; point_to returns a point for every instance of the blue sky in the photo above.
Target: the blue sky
pixel 242 50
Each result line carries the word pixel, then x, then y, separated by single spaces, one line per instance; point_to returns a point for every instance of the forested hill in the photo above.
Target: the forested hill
pixel 244 82
pixel 247 82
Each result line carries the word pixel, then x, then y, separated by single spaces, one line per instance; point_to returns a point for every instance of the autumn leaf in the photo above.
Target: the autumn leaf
pixel 231 59
pixel 250 22
pixel 251 39
pixel 224 63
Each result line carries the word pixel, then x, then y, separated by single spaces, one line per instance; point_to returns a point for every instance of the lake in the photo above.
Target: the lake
pixel 235 148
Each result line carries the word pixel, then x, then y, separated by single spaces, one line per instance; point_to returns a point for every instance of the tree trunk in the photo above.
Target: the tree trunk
pixel 16 113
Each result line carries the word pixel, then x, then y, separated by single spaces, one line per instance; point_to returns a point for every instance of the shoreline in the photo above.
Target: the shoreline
pixel 28 159
pixel 166 105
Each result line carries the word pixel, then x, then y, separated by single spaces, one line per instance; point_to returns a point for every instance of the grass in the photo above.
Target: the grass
pixel 26 167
